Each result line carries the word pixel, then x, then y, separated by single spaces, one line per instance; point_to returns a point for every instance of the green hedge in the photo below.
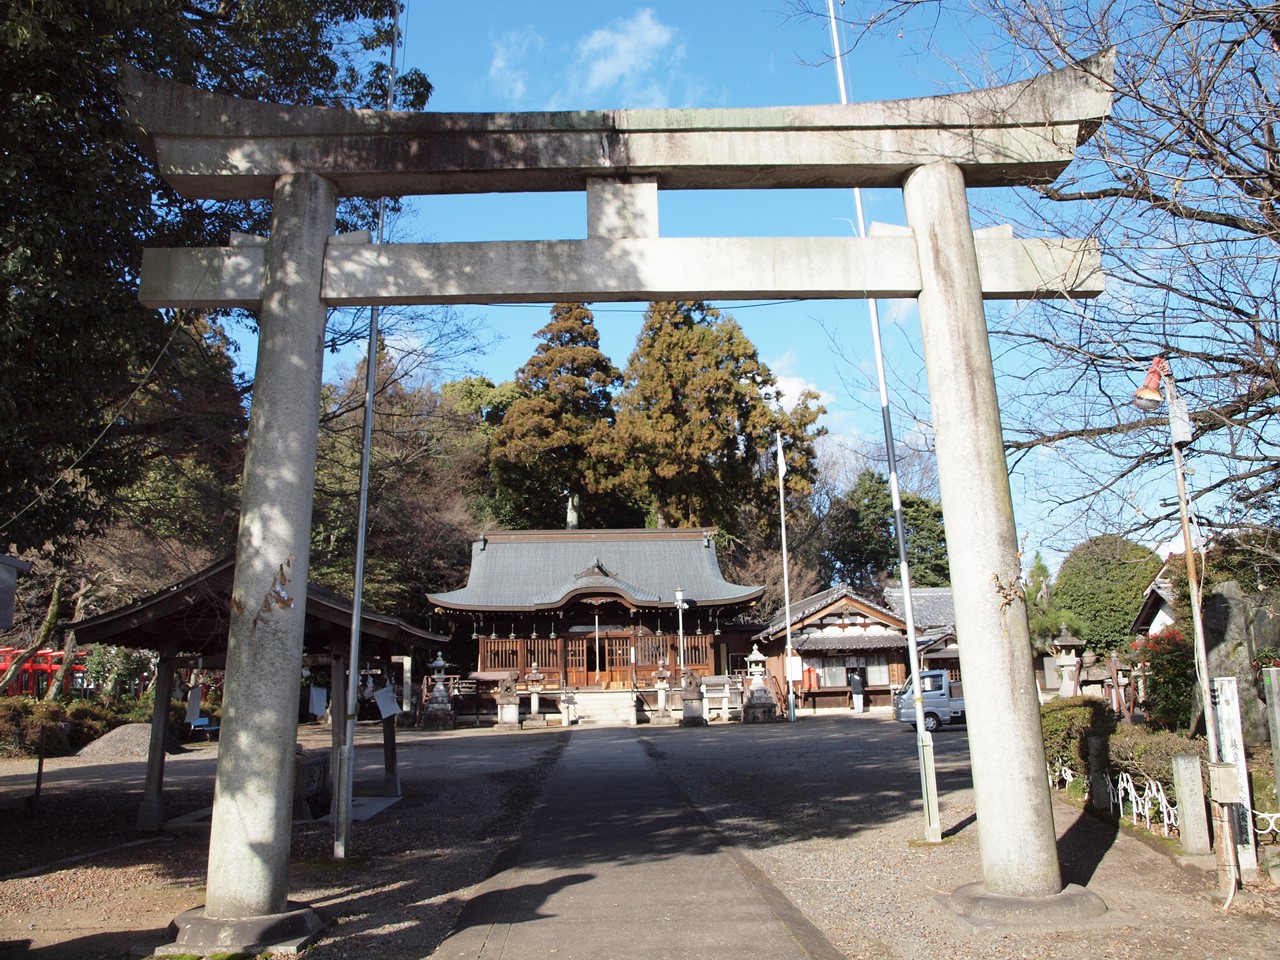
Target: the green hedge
pixel 1143 752
pixel 69 726
pixel 1139 750
pixel 1068 723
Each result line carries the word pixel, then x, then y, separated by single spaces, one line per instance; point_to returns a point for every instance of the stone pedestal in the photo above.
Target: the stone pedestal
pixel 438 714
pixel 692 713
pixel 508 705
pixel 663 717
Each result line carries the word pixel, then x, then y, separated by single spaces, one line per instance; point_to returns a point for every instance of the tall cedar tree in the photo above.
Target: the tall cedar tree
pixel 79 202
pixel 697 421
pixel 548 448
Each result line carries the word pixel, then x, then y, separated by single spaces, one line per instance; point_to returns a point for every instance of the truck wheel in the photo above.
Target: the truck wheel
pixel 932 723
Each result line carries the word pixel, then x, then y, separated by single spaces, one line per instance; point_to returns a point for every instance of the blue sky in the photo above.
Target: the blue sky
pixel 576 55
pixel 568 54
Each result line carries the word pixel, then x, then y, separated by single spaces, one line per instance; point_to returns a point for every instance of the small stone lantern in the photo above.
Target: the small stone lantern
pixel 1068 653
pixel 533 681
pixel 759 706
pixel 439 714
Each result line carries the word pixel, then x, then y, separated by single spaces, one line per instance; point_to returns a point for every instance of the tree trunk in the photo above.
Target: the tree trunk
pixel 42 637
pixel 68 649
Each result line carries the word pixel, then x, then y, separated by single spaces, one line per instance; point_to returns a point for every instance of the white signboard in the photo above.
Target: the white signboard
pixel 1226 698
pixel 385 698
pixel 795 668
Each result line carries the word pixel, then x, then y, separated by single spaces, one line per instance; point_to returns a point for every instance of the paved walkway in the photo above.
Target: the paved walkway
pixel 616 865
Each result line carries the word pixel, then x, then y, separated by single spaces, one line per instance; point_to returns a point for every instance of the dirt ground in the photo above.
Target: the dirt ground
pixel 77 882
pixel 827 807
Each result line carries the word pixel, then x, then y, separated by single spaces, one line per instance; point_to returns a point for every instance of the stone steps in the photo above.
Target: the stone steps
pixel 605 707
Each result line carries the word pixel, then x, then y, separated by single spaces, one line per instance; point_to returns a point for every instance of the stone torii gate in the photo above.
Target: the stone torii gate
pixel 305 158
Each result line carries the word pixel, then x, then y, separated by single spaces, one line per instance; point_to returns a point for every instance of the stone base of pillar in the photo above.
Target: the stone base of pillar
pixel 289 932
pixel 508 715
pixel 755 712
pixel 433 719
pixel 1066 910
pixel 151 816
pixel 533 722
pixel 662 721
pixel 692 714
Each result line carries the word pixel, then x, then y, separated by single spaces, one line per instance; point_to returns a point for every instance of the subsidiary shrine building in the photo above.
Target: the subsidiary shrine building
pixel 598 608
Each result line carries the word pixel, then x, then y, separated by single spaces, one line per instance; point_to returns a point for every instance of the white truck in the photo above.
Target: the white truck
pixel 943 700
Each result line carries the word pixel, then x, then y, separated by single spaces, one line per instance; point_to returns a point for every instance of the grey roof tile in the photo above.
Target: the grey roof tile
pixel 545 569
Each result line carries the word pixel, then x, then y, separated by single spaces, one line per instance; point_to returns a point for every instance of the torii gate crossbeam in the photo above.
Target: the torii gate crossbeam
pixel 306 158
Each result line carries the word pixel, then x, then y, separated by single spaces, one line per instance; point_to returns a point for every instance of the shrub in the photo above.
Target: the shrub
pixel 1170 678
pixel 13 710
pixel 1068 723
pixel 48 720
pixel 1147 754
pixel 89 721
pixel 23 721
pixel 1266 657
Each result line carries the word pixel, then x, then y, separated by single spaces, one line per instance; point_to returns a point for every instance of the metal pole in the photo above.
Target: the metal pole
pixel 345 778
pixel 680 630
pixel 786 584
pixel 924 739
pixel 1193 581
pixel 1224 832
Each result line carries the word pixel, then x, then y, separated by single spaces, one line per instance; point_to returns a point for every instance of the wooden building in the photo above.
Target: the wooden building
pixel 836 632
pixel 597 608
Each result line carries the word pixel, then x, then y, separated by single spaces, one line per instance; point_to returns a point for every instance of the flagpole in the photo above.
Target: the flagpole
pixel 786 584
pixel 344 779
pixel 924 739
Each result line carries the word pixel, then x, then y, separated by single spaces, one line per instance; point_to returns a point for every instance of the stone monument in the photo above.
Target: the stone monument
pixel 508 704
pixel 661 683
pixel 691 701
pixel 439 714
pixel 533 682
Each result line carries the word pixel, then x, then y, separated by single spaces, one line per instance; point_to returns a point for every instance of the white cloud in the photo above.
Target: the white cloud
pixel 629 62
pixel 791 385
pixel 899 311
pixel 623 51
pixel 508 67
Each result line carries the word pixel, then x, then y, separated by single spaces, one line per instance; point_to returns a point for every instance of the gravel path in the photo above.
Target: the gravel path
pixel 827 807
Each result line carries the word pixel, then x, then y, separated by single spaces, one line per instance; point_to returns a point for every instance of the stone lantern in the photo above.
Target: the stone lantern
pixel 439 714
pixel 1068 653
pixel 662 683
pixel 758 706
pixel 533 681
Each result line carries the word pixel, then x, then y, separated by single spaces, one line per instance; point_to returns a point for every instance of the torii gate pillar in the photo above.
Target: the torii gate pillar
pixel 1015 816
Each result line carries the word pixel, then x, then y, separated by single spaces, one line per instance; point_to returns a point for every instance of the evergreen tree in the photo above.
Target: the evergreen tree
pixel 548 447
pixel 1101 583
pixel 80 200
pixel 697 422
pixel 861 545
pixel 1046 618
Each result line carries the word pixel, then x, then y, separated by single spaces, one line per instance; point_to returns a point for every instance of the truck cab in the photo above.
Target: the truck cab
pixel 942 698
